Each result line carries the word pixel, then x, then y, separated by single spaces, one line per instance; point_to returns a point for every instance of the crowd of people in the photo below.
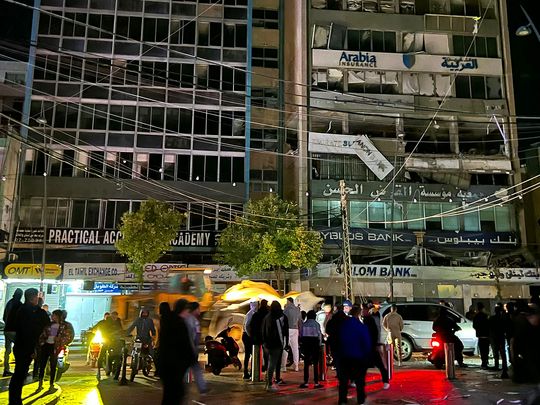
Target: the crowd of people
pixel 350 333
pixel 36 335
pixel 512 333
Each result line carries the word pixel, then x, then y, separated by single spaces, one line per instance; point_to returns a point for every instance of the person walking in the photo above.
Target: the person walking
pixel 176 354
pixel 255 328
pixel 29 323
pixel 165 314
pixel 481 326
pixel 275 336
pixel 194 327
pixel 294 316
pixel 10 310
pixel 374 331
pixel 247 340
pixel 54 337
pixel 498 328
pixel 393 324
pixel 311 338
pixel 355 349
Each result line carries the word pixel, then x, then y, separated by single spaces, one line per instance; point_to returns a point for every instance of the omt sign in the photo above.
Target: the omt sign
pixel 24 270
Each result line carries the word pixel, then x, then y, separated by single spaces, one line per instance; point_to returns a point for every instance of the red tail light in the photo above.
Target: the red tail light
pixel 435 343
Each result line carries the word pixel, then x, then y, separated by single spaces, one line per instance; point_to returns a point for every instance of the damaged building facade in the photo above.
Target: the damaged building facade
pixel 410 104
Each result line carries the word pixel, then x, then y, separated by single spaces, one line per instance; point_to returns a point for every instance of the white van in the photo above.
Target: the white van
pixel 418 320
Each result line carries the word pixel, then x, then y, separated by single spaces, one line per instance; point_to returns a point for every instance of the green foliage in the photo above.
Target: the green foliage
pixel 269 237
pixel 147 234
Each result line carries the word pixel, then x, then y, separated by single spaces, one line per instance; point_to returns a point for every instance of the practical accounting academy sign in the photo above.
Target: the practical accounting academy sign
pixel 105 237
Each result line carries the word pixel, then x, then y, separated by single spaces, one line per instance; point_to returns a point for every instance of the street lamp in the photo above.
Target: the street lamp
pixel 399 139
pixel 528 29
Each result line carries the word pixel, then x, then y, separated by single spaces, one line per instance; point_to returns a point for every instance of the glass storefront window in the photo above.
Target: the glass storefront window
pixel 450 223
pixel 471 221
pixel 415 211
pixel 359 214
pixel 503 219
pixel 376 212
pixel 432 210
pixel 397 215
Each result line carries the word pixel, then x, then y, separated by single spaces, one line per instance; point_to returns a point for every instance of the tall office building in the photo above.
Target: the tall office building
pixel 416 90
pixel 139 99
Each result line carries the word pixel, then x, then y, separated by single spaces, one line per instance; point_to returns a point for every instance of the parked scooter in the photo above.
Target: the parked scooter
pixel 436 357
pixel 222 353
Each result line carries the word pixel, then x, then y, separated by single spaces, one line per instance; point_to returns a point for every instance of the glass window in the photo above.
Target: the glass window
pixel 414 213
pixel 334 213
pixel 503 219
pixel 376 212
pixel 397 215
pixel 450 223
pixel 478 87
pixel 463 89
pixel 319 213
pixel 487 220
pixel 432 209
pixel 471 221
pixel 358 214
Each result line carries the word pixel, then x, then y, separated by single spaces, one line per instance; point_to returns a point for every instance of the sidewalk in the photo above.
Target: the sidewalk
pixel 33 397
pixel 410 385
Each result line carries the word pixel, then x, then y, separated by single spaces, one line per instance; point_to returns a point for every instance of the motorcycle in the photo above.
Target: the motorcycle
pixel 222 353
pixel 112 358
pixel 94 349
pixel 436 356
pixel 140 359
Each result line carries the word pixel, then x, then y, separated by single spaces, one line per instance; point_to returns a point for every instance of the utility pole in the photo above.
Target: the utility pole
pixel 347 267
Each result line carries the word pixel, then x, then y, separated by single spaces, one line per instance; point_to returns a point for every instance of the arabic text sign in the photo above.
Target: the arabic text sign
pixel 441 273
pixel 431 239
pixel 396 62
pixel 32 271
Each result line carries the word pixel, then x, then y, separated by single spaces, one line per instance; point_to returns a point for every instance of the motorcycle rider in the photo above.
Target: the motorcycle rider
pixel 146 330
pixel 446 327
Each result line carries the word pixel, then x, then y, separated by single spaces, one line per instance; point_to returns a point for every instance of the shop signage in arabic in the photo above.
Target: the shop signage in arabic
pixel 502 274
pixel 459 64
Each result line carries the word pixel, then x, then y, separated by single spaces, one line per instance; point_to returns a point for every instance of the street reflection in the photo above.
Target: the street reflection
pixel 93 398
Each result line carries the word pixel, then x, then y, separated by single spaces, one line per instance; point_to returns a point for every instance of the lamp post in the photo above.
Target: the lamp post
pixel 42 122
pixel 399 139
pixel 528 29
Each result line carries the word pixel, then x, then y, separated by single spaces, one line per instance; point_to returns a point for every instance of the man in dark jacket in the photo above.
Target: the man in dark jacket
pixel 446 326
pixel 498 328
pixel 275 336
pixel 10 311
pixel 333 330
pixel 255 328
pixel 355 350
pixel 374 331
pixel 481 326
pixel 30 321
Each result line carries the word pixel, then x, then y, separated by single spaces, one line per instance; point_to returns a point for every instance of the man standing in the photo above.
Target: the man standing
pixel 294 316
pixel 374 331
pixel 194 328
pixel 246 338
pixel 275 335
pixel 481 326
pixel 498 330
pixel 30 321
pixel 393 324
pixel 10 311
pixel 255 328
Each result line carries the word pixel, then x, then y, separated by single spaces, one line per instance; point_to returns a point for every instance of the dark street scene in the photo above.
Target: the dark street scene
pixel 269 202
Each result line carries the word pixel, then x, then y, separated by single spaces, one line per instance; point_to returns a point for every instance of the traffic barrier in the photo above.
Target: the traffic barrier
pixel 321 364
pixel 256 366
pixel 450 361
pixel 389 359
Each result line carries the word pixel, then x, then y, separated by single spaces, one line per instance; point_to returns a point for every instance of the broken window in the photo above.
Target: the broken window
pixel 320 37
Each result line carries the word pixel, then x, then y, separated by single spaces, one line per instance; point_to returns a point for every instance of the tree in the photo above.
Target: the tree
pixel 147 234
pixel 269 236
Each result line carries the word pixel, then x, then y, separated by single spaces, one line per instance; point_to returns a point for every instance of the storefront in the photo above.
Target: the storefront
pixel 28 275
pixel 462 286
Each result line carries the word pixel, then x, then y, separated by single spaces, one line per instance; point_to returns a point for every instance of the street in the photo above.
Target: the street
pixel 417 382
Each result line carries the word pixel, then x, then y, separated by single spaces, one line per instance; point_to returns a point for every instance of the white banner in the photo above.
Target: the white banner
pixel 435 273
pixel 117 271
pixel 359 145
pixel 406 62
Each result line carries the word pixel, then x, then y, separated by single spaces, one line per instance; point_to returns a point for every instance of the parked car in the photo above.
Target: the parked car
pixel 418 320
